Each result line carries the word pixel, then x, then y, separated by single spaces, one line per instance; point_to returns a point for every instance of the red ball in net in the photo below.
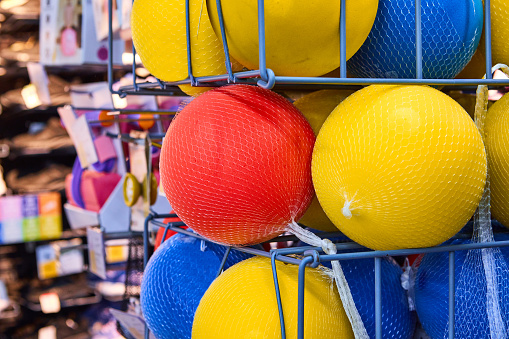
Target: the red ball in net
pixel 236 164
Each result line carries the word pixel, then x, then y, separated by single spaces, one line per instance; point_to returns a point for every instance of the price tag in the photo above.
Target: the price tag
pixel 82 138
pixel 39 79
pixel 67 116
pixel 133 323
pixel 47 262
pixel 71 261
pixel 50 302
pixel 48 270
pixel 96 252
pixel 115 254
pixel 48 332
pixel 30 96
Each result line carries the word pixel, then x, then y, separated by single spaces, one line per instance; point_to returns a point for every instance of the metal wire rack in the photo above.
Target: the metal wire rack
pixel 266 78
pixel 313 256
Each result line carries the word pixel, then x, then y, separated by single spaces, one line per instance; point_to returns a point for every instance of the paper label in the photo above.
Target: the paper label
pixel 47 262
pixel 68 116
pixel 39 79
pixel 95 95
pixel 71 261
pixel 83 141
pixel 50 303
pixel 30 96
pixel 96 252
pixel 48 332
pixel 133 323
pixel 116 253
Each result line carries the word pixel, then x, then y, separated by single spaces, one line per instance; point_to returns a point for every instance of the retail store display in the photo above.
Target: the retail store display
pixel 235 164
pixel 451 31
pixel 312 52
pixel 241 302
pixel 389 157
pixel 316 107
pixel 497 143
pixel 283 197
pixel 175 279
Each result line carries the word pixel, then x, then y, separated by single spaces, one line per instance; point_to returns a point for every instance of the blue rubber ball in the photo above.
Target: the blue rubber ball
pixel 451 30
pixel 432 292
pixel 175 279
pixel 397 320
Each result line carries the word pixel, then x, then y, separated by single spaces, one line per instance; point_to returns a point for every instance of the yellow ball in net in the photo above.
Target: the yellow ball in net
pixel 499 31
pixel 241 303
pixel 302 37
pixel 159 35
pixel 399 167
pixel 316 107
pixel 497 147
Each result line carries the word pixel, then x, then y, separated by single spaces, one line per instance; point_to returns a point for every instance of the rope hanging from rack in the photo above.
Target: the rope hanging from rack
pixel 337 274
pixel 483 231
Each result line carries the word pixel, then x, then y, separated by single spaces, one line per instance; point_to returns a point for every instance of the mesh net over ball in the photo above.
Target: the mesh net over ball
pixel 451 30
pixel 241 303
pixel 497 146
pixel 235 164
pixel 399 167
pixel 475 313
pixel 316 107
pixel 175 279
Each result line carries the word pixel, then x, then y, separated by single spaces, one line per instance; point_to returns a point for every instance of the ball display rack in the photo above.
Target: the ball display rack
pixel 308 256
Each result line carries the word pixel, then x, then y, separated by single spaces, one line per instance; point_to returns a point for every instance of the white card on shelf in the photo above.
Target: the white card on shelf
pixel 96 252
pixel 95 94
pixel 83 142
pixel 50 303
pixel 30 96
pixel 71 261
pixel 39 79
pixel 48 332
pixel 131 322
pixel 67 115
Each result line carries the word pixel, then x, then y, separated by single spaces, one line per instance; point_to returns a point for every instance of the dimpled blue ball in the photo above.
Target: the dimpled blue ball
pixel 175 279
pixel 432 292
pixel 451 30
pixel 397 320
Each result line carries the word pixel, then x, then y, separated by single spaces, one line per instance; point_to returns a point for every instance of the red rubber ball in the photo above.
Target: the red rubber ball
pixel 236 164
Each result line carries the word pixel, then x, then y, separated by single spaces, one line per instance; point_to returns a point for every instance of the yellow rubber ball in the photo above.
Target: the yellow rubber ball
pixel 302 37
pixel 241 303
pixel 316 107
pixel 497 147
pixel 499 31
pixel 159 35
pixel 399 167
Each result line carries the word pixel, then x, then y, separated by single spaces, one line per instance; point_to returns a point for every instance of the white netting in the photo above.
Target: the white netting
pixel 344 291
pixel 481 276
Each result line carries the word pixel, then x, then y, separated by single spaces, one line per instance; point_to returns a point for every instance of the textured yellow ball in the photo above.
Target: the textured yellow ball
pixel 241 303
pixel 159 35
pixel 302 37
pixel 499 31
pixel 497 147
pixel 399 167
pixel 316 107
